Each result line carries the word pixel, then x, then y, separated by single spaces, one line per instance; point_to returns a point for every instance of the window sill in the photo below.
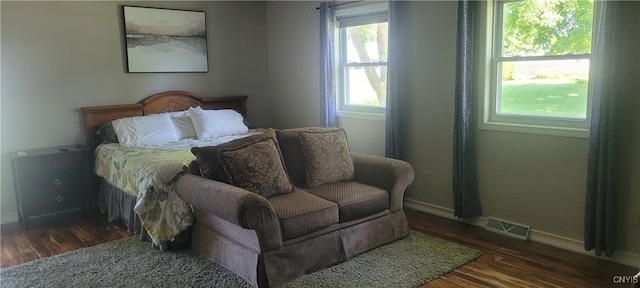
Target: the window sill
pixel 533 129
pixel 362 115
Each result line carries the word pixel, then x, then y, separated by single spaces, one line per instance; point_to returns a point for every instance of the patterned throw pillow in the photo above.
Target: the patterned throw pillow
pixel 327 156
pixel 291 149
pixel 246 162
pixel 207 157
pixel 257 167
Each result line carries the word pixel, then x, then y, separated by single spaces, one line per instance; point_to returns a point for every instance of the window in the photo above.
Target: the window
pixel 362 46
pixel 539 67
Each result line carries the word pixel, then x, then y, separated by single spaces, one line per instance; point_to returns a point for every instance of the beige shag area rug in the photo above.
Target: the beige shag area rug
pixel 409 262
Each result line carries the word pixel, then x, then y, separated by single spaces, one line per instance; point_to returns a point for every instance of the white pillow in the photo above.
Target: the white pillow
pixel 217 123
pixel 151 130
pixel 183 124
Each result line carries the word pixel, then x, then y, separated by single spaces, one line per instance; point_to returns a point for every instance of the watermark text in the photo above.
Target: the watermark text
pixel 625 279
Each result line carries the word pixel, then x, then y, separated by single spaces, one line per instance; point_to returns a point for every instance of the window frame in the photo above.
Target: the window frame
pixel 363 13
pixel 490 29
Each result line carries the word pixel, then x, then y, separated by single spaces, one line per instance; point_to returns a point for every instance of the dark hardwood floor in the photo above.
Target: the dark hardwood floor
pixel 510 262
pixel 506 262
pixel 51 235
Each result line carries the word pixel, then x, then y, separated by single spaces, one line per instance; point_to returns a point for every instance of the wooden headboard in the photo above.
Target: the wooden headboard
pixel 169 101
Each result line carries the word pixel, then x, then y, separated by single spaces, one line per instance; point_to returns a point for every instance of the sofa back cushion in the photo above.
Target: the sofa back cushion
pixel 327 156
pixel 316 155
pixel 253 163
pixel 289 140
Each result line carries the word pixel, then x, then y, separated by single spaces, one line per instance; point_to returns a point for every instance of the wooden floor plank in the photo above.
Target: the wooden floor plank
pixel 35 239
pixel 27 251
pixel 10 253
pixel 461 280
pixel 448 282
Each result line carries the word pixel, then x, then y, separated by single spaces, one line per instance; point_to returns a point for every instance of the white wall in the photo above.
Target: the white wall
pixel 530 179
pixel 364 135
pixel 60 56
pixel 294 60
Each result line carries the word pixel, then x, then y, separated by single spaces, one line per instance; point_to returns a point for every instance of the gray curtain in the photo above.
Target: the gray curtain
pixel 327 66
pixel 616 71
pixel 465 183
pixel 395 110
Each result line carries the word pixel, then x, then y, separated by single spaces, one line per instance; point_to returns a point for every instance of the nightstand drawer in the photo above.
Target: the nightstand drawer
pixel 44 169
pixel 54 201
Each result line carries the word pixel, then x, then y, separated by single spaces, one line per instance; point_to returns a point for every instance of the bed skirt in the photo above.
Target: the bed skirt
pixel 119 206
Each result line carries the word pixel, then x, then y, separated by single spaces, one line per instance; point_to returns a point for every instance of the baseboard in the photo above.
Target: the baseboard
pixel 9 218
pixel 622 257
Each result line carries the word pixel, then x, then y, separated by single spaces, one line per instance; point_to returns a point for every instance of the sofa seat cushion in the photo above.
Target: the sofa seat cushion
pixel 355 200
pixel 301 213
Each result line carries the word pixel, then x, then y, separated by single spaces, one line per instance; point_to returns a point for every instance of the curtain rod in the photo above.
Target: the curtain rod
pixel 340 4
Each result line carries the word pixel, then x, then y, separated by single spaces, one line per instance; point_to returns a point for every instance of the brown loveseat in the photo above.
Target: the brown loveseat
pixel 314 203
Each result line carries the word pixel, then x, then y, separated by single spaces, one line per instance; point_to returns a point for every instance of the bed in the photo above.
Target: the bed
pixel 136 183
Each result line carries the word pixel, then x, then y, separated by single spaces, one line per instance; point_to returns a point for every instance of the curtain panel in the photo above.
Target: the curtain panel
pixel 465 183
pixel 395 110
pixel 616 67
pixel 329 116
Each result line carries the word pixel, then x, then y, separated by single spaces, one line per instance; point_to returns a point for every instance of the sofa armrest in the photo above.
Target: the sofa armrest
pixel 235 205
pixel 390 174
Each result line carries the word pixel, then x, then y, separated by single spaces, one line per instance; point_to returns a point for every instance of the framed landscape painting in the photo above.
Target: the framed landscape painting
pixel 165 40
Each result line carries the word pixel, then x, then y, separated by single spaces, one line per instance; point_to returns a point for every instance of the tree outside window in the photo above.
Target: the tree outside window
pixel 362 56
pixel 542 59
pixel 366 64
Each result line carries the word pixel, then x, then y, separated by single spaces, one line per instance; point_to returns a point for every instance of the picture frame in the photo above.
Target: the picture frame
pixel 165 40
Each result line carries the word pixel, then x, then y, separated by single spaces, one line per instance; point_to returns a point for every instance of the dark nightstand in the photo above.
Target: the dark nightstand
pixel 51 180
